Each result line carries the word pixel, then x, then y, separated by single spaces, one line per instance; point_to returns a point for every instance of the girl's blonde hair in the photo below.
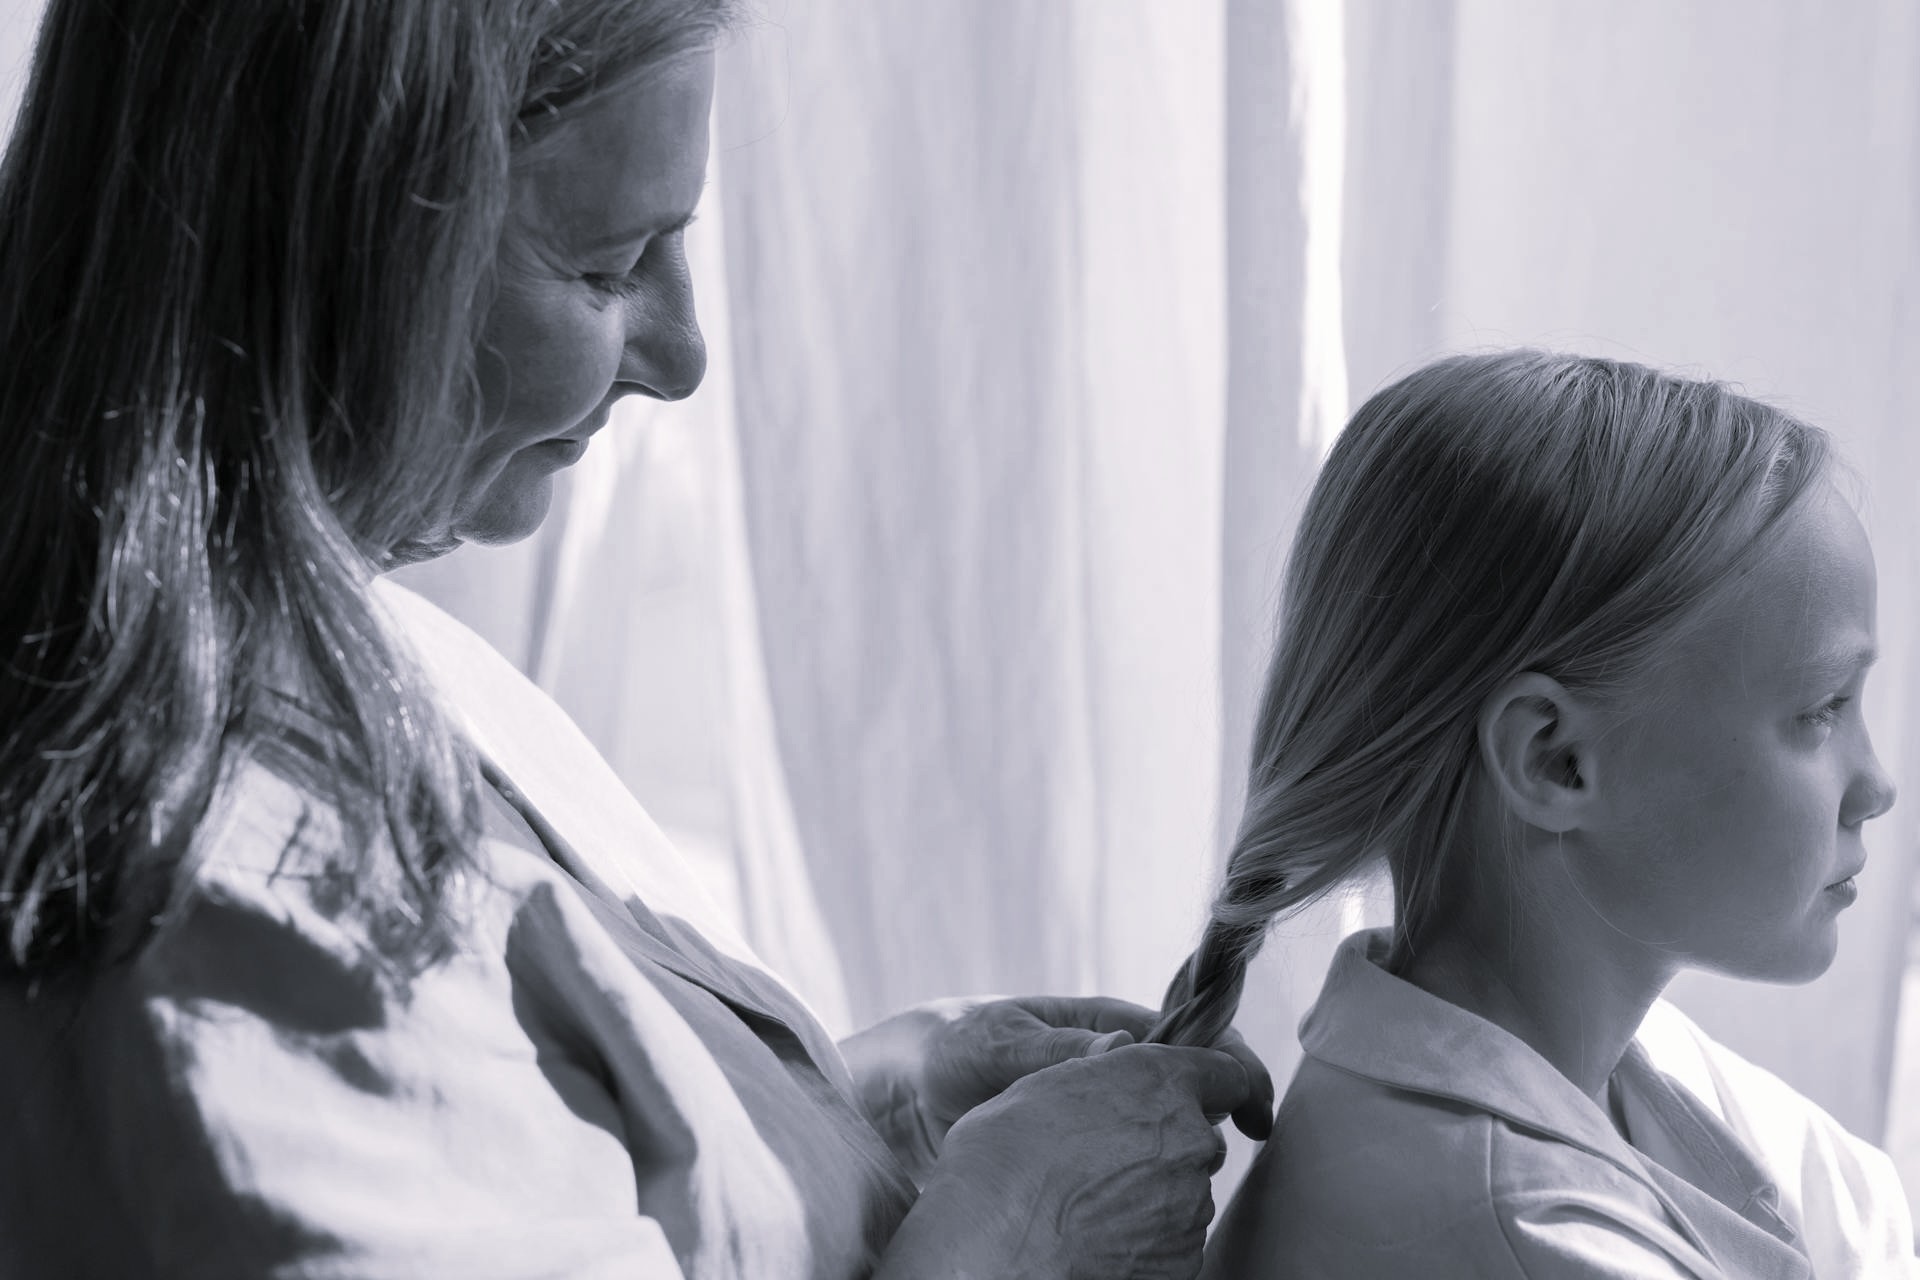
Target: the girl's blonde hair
pixel 1487 515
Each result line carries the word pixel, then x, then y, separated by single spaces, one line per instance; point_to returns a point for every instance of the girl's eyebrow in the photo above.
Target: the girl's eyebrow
pixel 1840 661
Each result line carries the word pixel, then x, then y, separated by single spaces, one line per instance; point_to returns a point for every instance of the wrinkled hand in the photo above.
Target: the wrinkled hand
pixel 919 1072
pixel 1097 1167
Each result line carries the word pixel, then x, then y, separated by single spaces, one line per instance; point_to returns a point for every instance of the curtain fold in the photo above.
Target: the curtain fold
pixel 1030 321
pixel 982 446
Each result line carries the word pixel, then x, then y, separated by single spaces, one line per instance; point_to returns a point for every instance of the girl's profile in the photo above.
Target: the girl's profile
pixel 1578 651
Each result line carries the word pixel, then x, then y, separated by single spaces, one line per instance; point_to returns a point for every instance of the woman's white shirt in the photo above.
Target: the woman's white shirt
pixel 1419 1139
pixel 599 1081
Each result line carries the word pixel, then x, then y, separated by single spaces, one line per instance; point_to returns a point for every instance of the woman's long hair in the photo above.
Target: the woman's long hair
pixel 1488 515
pixel 245 249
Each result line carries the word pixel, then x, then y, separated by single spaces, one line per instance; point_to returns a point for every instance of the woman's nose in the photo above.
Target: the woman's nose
pixel 666 356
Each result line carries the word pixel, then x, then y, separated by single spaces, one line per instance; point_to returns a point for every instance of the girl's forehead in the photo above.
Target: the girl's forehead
pixel 1801 619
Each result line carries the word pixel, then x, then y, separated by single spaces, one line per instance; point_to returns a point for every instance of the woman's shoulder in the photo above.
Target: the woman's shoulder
pixel 262 1082
pixel 284 854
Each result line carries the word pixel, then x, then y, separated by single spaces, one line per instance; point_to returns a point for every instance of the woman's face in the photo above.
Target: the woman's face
pixel 1742 773
pixel 593 300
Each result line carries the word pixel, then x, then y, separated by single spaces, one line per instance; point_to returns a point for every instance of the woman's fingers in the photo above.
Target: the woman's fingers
pixel 1254 1115
pixel 1094 1013
pixel 1219 1081
pixel 1108 1158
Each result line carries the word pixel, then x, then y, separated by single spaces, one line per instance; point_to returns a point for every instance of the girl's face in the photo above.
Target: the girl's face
pixel 592 297
pixel 1728 836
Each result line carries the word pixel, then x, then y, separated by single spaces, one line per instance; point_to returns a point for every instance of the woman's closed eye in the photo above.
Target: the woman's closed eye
pixel 633 281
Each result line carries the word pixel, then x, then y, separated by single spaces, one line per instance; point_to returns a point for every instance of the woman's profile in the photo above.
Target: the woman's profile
pixel 1576 650
pixel 328 944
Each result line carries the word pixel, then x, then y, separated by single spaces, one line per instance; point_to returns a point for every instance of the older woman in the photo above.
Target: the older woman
pixel 330 948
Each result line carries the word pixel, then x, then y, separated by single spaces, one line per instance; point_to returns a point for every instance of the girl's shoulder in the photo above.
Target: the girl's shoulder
pixel 1364 1178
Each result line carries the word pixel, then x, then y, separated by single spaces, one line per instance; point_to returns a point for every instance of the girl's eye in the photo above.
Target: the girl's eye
pixel 1828 714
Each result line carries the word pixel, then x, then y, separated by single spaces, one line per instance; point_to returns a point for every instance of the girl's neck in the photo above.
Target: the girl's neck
pixel 1574 1000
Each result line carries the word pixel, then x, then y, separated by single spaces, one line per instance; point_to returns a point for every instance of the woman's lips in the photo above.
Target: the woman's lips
pixel 568 448
pixel 564 451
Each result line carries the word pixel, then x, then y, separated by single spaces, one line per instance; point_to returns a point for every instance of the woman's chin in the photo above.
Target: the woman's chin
pixel 510 509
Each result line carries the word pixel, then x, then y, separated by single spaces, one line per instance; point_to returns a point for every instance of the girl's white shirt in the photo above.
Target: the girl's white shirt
pixel 1420 1139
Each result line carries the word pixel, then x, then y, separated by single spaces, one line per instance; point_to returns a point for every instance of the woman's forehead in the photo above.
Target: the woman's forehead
pixel 628 163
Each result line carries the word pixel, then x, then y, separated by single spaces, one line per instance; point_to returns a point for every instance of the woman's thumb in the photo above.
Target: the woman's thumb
pixel 1066 1043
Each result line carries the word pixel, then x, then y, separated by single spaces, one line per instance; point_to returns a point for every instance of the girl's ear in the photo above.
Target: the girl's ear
pixel 1536 744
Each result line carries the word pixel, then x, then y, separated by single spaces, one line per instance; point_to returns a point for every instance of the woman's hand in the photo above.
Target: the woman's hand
pixel 922 1070
pixel 1097 1167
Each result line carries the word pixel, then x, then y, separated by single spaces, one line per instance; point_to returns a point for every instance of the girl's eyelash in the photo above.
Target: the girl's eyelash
pixel 1829 713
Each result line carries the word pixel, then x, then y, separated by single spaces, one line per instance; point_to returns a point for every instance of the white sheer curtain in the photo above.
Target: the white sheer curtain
pixel 1030 320
pixel 1041 314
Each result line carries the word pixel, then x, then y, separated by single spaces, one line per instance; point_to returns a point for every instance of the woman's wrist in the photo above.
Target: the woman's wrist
pixel 883 1061
pixel 972 1224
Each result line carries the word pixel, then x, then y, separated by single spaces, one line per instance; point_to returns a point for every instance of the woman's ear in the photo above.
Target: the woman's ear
pixel 1536 745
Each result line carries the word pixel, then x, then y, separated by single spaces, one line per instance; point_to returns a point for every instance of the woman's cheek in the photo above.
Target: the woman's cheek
pixel 551 352
pixel 584 363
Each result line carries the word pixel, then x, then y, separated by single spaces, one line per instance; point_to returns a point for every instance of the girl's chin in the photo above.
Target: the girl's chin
pixel 1797 960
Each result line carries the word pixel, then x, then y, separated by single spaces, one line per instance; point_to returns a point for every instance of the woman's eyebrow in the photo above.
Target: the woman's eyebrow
pixel 635 234
pixel 658 225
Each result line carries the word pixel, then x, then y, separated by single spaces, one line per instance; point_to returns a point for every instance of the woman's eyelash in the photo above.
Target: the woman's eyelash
pixel 625 284
pixel 628 283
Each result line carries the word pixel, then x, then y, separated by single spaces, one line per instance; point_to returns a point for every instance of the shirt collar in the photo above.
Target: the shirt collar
pixel 1683 1136
pixel 1375 1025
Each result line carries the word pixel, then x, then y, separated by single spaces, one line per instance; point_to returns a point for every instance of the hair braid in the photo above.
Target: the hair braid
pixel 1205 994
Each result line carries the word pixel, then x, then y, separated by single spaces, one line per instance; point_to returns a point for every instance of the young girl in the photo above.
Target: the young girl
pixel 1577 648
